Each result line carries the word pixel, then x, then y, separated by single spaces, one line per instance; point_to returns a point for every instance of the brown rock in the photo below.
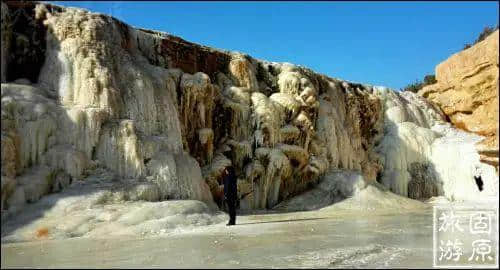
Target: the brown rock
pixel 467 92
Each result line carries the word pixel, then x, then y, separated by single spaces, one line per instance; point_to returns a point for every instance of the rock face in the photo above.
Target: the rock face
pixel 168 116
pixel 467 92
pixel 5 40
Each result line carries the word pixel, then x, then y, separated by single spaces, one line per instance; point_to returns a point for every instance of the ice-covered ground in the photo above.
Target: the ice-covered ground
pixel 98 207
pixel 372 228
pixel 313 239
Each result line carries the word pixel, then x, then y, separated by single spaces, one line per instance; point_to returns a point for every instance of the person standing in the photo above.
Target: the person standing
pixel 230 193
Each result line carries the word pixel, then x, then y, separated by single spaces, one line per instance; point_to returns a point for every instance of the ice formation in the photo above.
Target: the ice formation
pixel 171 115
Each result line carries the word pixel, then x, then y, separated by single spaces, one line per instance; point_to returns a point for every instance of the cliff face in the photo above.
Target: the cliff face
pixel 467 92
pixel 166 116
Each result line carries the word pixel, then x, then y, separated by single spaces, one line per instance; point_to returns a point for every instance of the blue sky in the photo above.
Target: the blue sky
pixel 379 43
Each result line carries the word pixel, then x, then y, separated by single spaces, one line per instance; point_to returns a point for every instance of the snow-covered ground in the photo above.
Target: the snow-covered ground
pixel 306 239
pixel 373 228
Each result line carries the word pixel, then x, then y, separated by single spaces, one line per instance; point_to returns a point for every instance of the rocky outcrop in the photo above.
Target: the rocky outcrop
pixel 6 35
pixel 168 116
pixel 467 92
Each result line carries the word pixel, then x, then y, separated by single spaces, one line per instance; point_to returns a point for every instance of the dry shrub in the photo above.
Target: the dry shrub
pixel 42 232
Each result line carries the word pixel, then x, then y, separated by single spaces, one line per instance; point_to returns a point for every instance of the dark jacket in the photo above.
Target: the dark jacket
pixel 230 186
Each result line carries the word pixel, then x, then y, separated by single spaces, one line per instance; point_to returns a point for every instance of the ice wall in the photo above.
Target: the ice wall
pixel 150 107
pixel 424 156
